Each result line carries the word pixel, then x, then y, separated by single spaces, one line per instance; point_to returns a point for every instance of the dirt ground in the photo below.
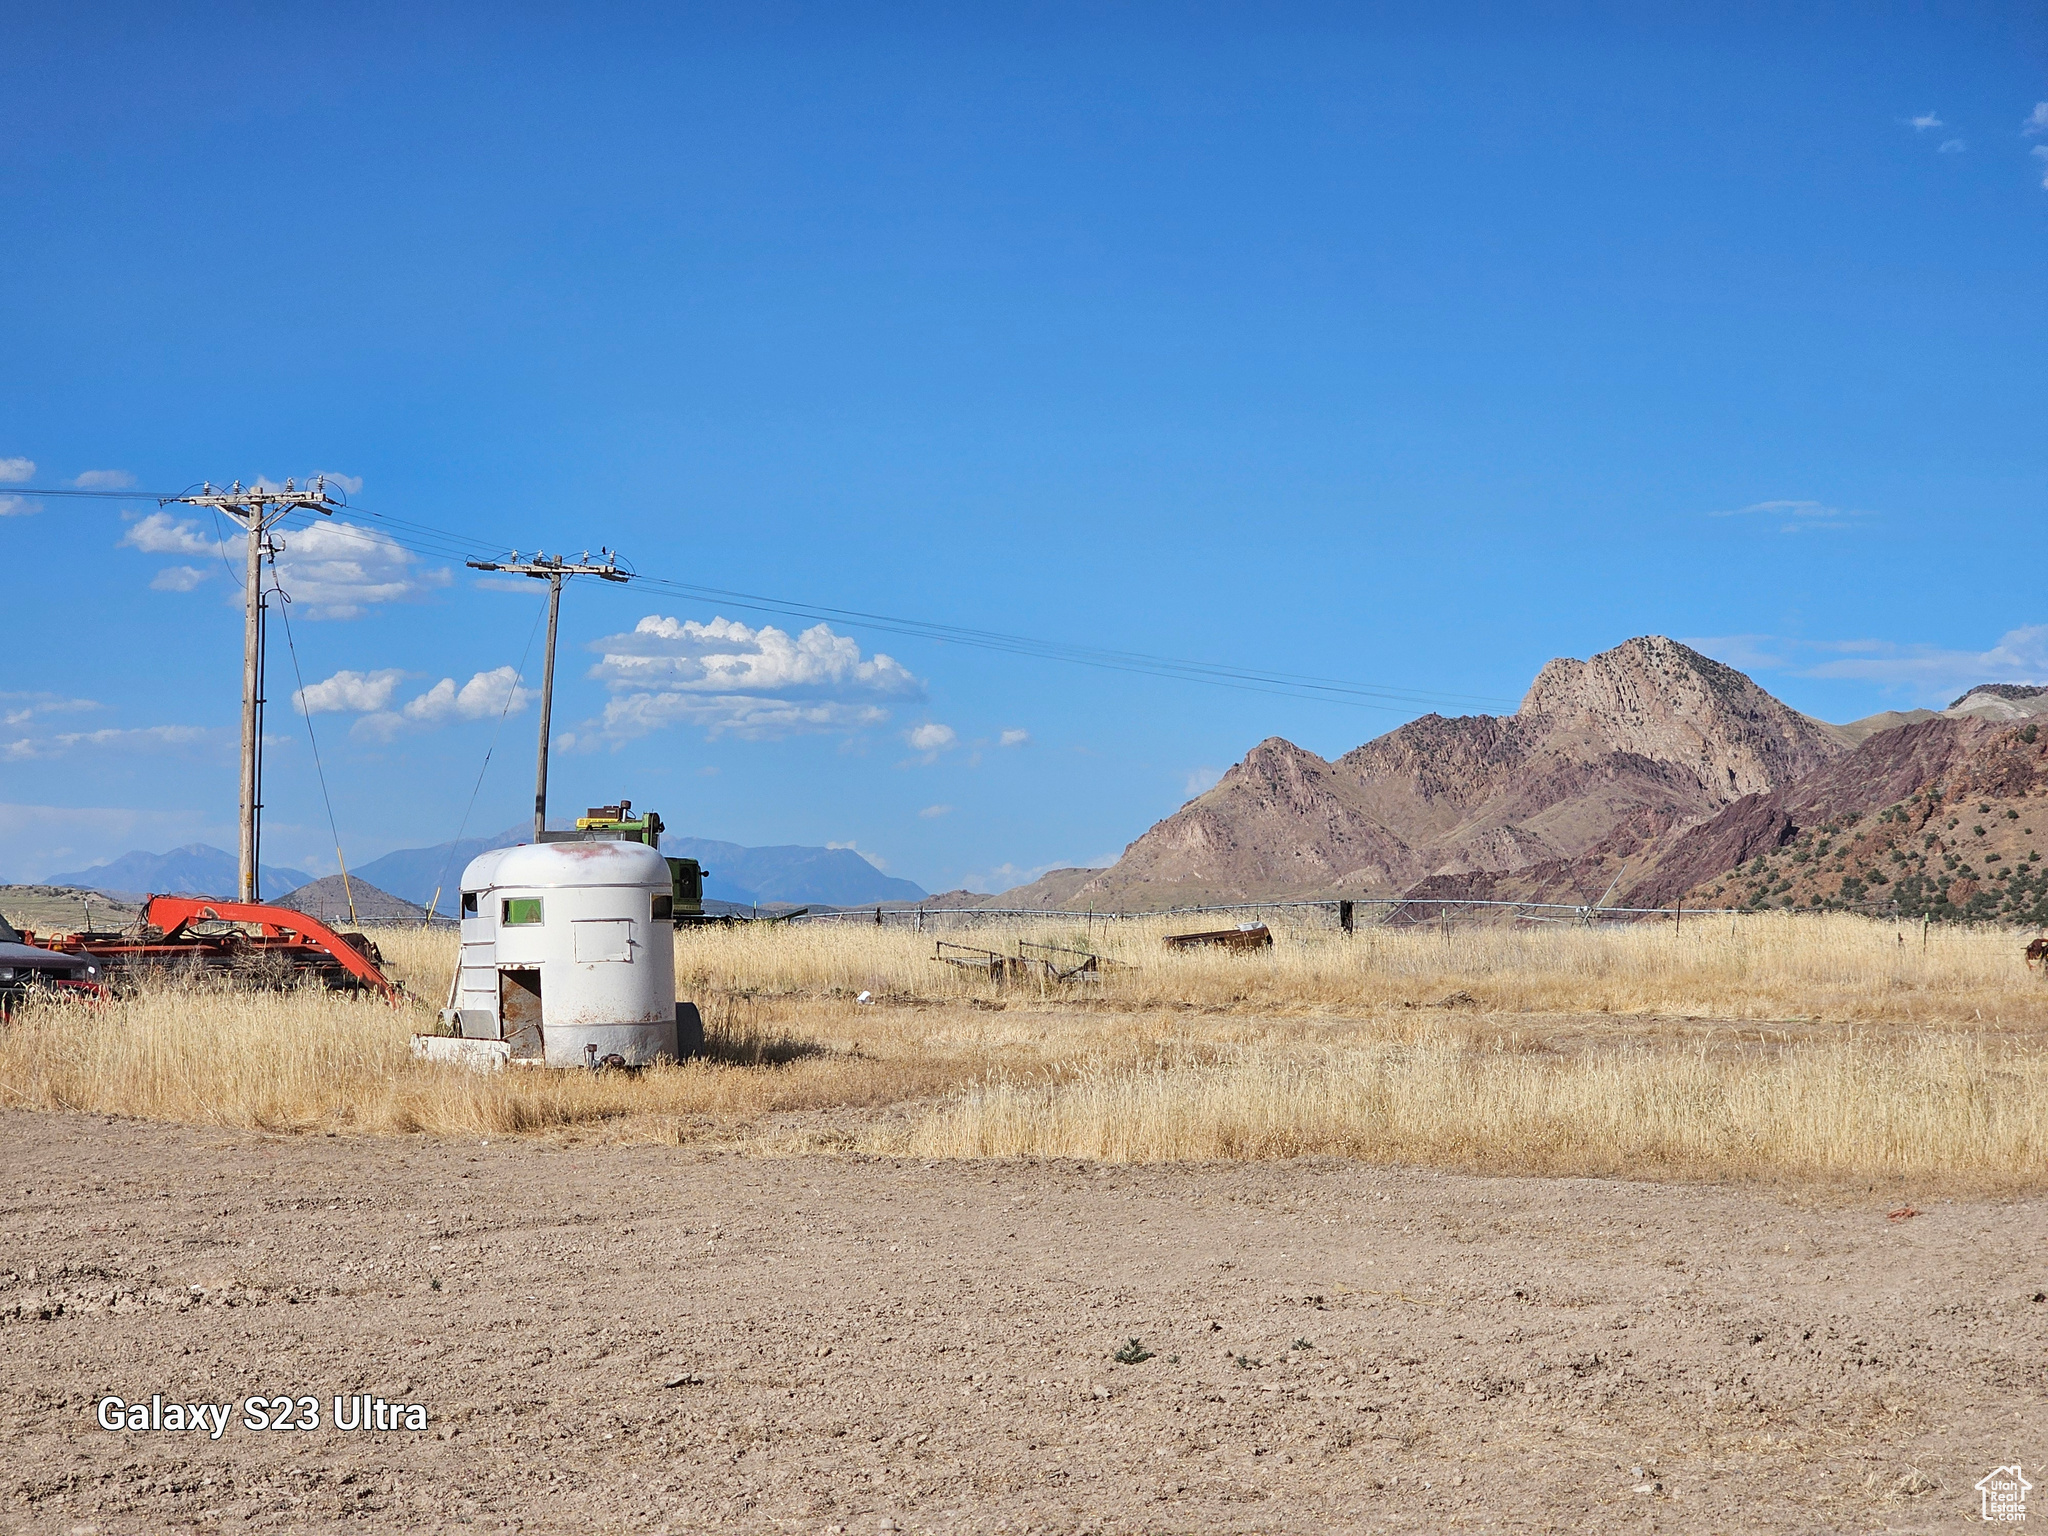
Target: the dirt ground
pixel 646 1339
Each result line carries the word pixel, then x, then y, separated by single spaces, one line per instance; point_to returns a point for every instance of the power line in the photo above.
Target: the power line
pixel 440 543
pixel 284 602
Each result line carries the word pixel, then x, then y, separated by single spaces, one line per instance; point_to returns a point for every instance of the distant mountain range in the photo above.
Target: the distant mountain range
pixel 789 874
pixel 194 870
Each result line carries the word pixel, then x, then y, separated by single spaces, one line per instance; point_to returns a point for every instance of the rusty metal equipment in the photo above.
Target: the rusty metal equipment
pixel 1042 962
pixel 262 944
pixel 1249 936
pixel 1062 963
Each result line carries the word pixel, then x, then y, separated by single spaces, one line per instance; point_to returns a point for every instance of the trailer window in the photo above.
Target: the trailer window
pixel 469 903
pixel 664 907
pixel 521 911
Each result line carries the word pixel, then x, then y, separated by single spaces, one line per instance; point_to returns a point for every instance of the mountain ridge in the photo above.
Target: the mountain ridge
pixel 1650 727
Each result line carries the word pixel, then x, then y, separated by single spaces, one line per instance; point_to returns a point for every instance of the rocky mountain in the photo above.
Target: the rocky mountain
pixel 1635 742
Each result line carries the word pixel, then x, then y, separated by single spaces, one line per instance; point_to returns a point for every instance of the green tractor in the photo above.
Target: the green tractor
pixel 686 876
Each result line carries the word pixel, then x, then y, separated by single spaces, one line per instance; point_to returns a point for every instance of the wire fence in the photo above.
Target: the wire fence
pixel 1349 914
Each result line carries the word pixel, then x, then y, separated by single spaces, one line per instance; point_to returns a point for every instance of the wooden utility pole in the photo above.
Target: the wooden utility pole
pixel 259 510
pixel 553 570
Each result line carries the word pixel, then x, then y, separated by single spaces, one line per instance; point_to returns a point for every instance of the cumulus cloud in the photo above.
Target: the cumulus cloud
pixel 1013 738
pixel 732 678
pixel 16 470
pixel 725 656
pixel 931 737
pixel 1927 675
pixel 18 506
pixel 1925 121
pixel 1201 780
pixel 354 692
pixel 484 696
pixel 1951 147
pixel 177 578
pixel 161 534
pixel 1796 516
pixel 2040 152
pixel 2037 122
pixel 934 812
pixel 104 480
pixel 350 483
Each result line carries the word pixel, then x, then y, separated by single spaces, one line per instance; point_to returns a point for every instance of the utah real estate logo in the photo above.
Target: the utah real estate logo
pixel 2005 1495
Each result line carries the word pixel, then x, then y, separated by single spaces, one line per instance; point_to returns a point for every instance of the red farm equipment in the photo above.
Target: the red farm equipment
pixel 252 942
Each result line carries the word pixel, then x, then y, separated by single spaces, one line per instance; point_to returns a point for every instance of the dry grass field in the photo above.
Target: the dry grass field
pixel 1829 1047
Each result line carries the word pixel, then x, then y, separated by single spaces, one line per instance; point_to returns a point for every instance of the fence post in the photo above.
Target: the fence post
pixel 1344 918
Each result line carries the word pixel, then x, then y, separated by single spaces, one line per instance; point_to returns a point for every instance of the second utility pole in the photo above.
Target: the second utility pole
pixel 552 570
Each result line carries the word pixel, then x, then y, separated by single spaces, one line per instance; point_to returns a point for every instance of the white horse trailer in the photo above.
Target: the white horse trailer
pixel 568 959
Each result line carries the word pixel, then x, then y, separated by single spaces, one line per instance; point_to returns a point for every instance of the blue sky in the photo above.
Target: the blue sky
pixel 1405 345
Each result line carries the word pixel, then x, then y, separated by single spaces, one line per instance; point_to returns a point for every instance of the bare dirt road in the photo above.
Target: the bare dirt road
pixel 637 1339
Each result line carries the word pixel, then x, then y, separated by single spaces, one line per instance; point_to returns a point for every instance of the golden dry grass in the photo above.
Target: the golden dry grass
pixel 1776 1047
pixel 1765 966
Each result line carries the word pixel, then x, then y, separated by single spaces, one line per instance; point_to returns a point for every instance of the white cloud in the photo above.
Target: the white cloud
pixel 1014 738
pixel 29 748
pixel 14 471
pixel 932 738
pixel 177 578
pixel 486 695
pixel 731 678
pixel 1201 780
pixel 1925 121
pixel 934 812
pixel 2040 152
pixel 1797 516
pixel 353 692
pixel 350 483
pixel 338 569
pixel 161 534
pixel 1928 675
pixel 18 506
pixel 104 480
pixel 1951 147
pixel 2037 121
pixel 728 657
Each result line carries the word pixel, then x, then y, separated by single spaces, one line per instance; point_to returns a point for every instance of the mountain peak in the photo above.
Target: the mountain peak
pixel 1658 699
